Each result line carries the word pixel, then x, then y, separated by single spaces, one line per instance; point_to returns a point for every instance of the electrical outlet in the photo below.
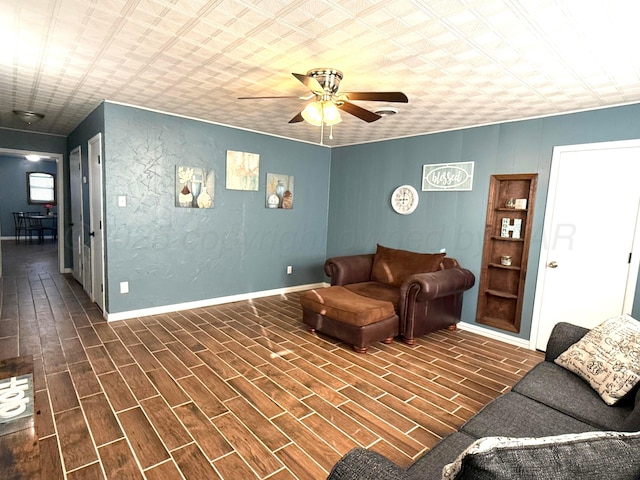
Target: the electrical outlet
pixel 289 270
pixel 443 250
pixel 122 200
pixel 124 287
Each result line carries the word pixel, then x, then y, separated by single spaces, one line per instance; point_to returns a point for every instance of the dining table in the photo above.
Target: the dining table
pixel 41 222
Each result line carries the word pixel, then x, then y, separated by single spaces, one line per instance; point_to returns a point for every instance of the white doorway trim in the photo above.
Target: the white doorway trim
pixel 634 266
pixel 76 218
pixel 629 296
pixel 96 220
pixel 58 157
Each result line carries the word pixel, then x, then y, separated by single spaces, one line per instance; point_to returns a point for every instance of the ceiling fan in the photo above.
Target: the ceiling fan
pixel 324 109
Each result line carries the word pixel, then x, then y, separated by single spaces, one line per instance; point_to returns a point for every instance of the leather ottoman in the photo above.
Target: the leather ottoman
pixel 347 316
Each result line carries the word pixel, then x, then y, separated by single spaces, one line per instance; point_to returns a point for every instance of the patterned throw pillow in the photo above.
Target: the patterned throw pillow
pixel 584 456
pixel 607 357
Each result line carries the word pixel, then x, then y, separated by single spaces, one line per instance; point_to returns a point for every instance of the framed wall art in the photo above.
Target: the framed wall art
pixel 279 191
pixel 194 187
pixel 447 176
pixel 242 170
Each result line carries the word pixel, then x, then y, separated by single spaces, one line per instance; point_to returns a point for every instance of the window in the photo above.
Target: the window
pixel 41 188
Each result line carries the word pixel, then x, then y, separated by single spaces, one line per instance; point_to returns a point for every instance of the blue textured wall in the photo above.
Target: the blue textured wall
pixel 363 177
pixel 13 188
pixel 37 142
pixel 171 255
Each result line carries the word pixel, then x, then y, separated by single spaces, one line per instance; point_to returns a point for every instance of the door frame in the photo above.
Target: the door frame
pixel 634 265
pixel 80 280
pixel 58 157
pixel 97 221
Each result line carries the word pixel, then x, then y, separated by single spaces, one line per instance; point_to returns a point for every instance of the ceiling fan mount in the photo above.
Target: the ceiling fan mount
pixel 328 78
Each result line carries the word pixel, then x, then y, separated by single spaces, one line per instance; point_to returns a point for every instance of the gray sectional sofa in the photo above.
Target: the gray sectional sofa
pixel 548 401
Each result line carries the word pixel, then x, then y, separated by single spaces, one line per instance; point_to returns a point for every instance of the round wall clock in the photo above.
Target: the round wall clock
pixel 404 199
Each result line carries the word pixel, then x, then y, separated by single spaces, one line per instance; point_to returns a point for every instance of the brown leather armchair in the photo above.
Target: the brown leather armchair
pixel 424 302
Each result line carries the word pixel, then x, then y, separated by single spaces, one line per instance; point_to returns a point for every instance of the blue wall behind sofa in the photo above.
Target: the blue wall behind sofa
pixel 171 255
pixel 363 177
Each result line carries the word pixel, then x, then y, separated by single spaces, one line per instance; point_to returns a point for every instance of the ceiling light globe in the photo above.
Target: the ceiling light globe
pixel 312 113
pixel 331 114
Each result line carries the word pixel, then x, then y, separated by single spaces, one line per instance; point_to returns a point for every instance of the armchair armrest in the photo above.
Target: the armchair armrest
pixel 349 269
pixel 441 283
pixel 562 337
pixel 431 301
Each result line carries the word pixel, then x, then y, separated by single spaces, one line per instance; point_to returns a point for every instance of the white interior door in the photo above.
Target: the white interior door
pixel 77 230
pixel 586 272
pixel 96 220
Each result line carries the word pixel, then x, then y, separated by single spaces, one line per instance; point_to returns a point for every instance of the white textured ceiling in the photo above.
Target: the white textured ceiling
pixel 460 62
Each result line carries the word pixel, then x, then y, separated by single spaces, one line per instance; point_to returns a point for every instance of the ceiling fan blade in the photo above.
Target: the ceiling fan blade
pixel 360 112
pixel 298 118
pixel 378 96
pixel 310 82
pixel 262 98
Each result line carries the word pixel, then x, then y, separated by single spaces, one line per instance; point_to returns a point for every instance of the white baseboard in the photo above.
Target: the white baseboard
pixel 503 337
pixel 112 317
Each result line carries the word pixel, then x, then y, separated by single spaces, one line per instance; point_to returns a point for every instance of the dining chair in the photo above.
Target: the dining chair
pixel 34 225
pixel 19 224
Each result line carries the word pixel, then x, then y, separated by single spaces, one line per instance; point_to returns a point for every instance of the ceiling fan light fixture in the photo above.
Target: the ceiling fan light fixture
pixel 319 112
pixel 28 117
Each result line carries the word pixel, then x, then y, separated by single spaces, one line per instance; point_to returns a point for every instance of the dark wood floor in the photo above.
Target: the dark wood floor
pixel 240 390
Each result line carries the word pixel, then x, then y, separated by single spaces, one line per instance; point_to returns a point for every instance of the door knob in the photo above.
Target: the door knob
pixel 552 265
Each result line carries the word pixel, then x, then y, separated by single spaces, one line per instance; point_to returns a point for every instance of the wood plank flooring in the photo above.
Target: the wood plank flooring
pixel 240 390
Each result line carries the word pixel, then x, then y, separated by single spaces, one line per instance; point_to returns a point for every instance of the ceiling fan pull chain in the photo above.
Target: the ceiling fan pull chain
pixel 322 131
pixel 331 132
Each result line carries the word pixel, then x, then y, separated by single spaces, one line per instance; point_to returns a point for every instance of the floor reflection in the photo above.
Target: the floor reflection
pixel 25 259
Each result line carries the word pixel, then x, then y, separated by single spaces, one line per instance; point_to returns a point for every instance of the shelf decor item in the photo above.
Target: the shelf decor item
pixel 506 250
pixel 507 228
pixel 520 203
